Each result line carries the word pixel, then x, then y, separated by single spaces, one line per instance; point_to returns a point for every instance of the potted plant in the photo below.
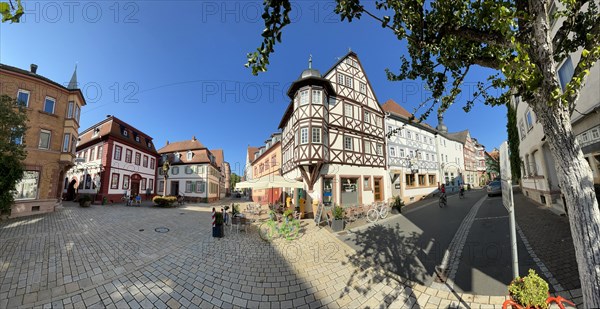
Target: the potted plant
pixel 338 219
pixel 217 230
pixel 531 292
pixel 85 201
pixel 397 205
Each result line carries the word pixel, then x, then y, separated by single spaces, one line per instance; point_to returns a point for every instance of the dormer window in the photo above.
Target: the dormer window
pixel 96 132
pixel 176 156
pixel 124 131
pixel 164 158
pixel 136 137
pixel 189 156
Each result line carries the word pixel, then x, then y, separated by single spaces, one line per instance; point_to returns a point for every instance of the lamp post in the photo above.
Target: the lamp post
pixel 166 166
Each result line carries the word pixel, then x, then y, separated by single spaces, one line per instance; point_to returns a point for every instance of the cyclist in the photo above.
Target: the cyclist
pixel 462 191
pixel 443 194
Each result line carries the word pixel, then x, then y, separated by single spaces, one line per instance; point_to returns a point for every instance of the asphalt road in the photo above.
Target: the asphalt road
pixel 464 246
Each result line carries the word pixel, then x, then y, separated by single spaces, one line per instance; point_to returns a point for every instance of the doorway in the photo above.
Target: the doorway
pixel 174 188
pixel 377 189
pixel 135 188
pixel 349 191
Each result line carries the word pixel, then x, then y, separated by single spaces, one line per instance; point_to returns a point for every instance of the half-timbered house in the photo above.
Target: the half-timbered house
pixel 333 135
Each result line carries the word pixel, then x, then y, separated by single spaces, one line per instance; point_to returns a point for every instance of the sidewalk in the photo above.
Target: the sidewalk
pixel 549 236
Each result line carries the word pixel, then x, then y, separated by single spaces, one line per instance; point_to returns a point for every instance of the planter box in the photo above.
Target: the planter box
pixel 217 231
pixel 337 225
pixel 85 204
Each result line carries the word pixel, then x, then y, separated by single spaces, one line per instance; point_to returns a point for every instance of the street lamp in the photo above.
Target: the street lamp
pixel 166 166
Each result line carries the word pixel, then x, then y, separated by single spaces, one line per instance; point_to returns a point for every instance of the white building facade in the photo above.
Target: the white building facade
pixel 412 155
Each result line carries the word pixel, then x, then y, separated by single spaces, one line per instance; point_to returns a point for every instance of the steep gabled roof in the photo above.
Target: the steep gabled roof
pixel 251 151
pixel 114 127
pixel 459 136
pixel 219 157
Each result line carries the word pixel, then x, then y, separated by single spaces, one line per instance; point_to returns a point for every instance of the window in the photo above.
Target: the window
pixel 426 157
pixel 401 153
pixel 316 135
pixel 92 154
pixel 432 180
pixel 161 186
pixel 267 165
pixel 348 143
pixel 49 105
pixel 128 154
pixel 274 160
pixel 151 184
pixel 408 135
pixel 565 73
pixel 138 158
pixel 45 136
pixel 367 117
pixel 529 120
pixel 145 161
pixel 189 170
pixel 419 155
pixel 70 111
pixel 175 170
pixel 341 79
pixel 88 181
pixel 379 149
pixel 136 137
pixel 200 186
pixel 189 155
pixel 411 154
pixel 96 132
pixel 421 180
pixel 143 183
pixel 77 112
pixel 27 187
pixel 99 152
pixel 114 183
pixel 125 182
pixel 118 151
pixel 348 110
pixel 349 82
pixel 317 98
pixel 367 147
pixel 23 98
pixel 367 183
pixel 66 140
pixel 188 187
pixel 73 144
pixel 362 88
pixel 18 140
pixel 303 135
pixel 595 134
pixel 410 180
pixel 152 162
pixel 392 151
pixel 199 169
pixel 303 97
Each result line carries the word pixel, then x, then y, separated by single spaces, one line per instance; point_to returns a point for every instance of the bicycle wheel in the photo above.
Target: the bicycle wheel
pixel 384 212
pixel 265 232
pixel 372 215
pixel 294 230
pixel 442 202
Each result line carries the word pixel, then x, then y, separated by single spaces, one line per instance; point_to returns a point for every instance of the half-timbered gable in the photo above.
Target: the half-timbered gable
pixel 334 126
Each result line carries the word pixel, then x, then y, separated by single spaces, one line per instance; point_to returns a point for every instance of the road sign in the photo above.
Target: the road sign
pixel 507 200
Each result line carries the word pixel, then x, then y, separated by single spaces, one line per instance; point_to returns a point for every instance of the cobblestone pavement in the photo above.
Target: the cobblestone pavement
pixel 550 238
pixel 119 257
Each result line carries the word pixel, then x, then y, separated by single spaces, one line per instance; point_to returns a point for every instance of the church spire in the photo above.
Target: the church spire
pixel 310 61
pixel 73 83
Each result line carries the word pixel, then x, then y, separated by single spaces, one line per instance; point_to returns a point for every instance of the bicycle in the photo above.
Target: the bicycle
pixel 378 211
pixel 443 200
pixel 461 193
pixel 288 228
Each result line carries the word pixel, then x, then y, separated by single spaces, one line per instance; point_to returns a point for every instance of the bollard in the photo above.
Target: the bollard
pixel 213 218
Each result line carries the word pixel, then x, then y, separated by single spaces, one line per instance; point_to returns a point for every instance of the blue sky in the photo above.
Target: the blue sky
pixel 174 69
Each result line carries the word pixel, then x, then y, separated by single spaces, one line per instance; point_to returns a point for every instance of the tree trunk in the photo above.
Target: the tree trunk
pixel 576 182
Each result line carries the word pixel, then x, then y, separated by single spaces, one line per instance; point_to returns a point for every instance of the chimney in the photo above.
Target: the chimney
pixel 33 68
pixel 194 138
pixel 167 143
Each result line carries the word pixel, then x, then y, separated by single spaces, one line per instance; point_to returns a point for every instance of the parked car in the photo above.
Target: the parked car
pixel 494 188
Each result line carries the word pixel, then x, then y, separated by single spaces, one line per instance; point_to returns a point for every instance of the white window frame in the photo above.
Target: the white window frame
pixel 348 108
pixel 362 88
pixel 25 92
pixel 303 135
pixel 529 120
pixel 341 79
pixel 66 141
pixel 348 143
pixel 49 139
pixel 189 155
pixel 318 94
pixel 401 153
pixel 349 81
pixel 367 147
pixel 70 109
pixel 379 149
pixel 392 151
pixel 316 135
pixel 304 97
pixel 53 104
pixel 367 117
pixel 564 80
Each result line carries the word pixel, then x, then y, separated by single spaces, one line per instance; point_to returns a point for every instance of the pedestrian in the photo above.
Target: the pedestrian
pixel 148 191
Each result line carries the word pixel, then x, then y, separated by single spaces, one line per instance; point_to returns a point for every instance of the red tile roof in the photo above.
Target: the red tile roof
pixel 112 126
pixel 251 151
pixel 219 158
pixel 391 106
pixel 192 144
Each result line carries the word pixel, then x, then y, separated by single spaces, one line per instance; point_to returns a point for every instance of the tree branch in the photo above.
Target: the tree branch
pixel 563 32
pixel 486 37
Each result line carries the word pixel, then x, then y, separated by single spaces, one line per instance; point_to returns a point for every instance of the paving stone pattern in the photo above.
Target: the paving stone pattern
pixel 111 257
